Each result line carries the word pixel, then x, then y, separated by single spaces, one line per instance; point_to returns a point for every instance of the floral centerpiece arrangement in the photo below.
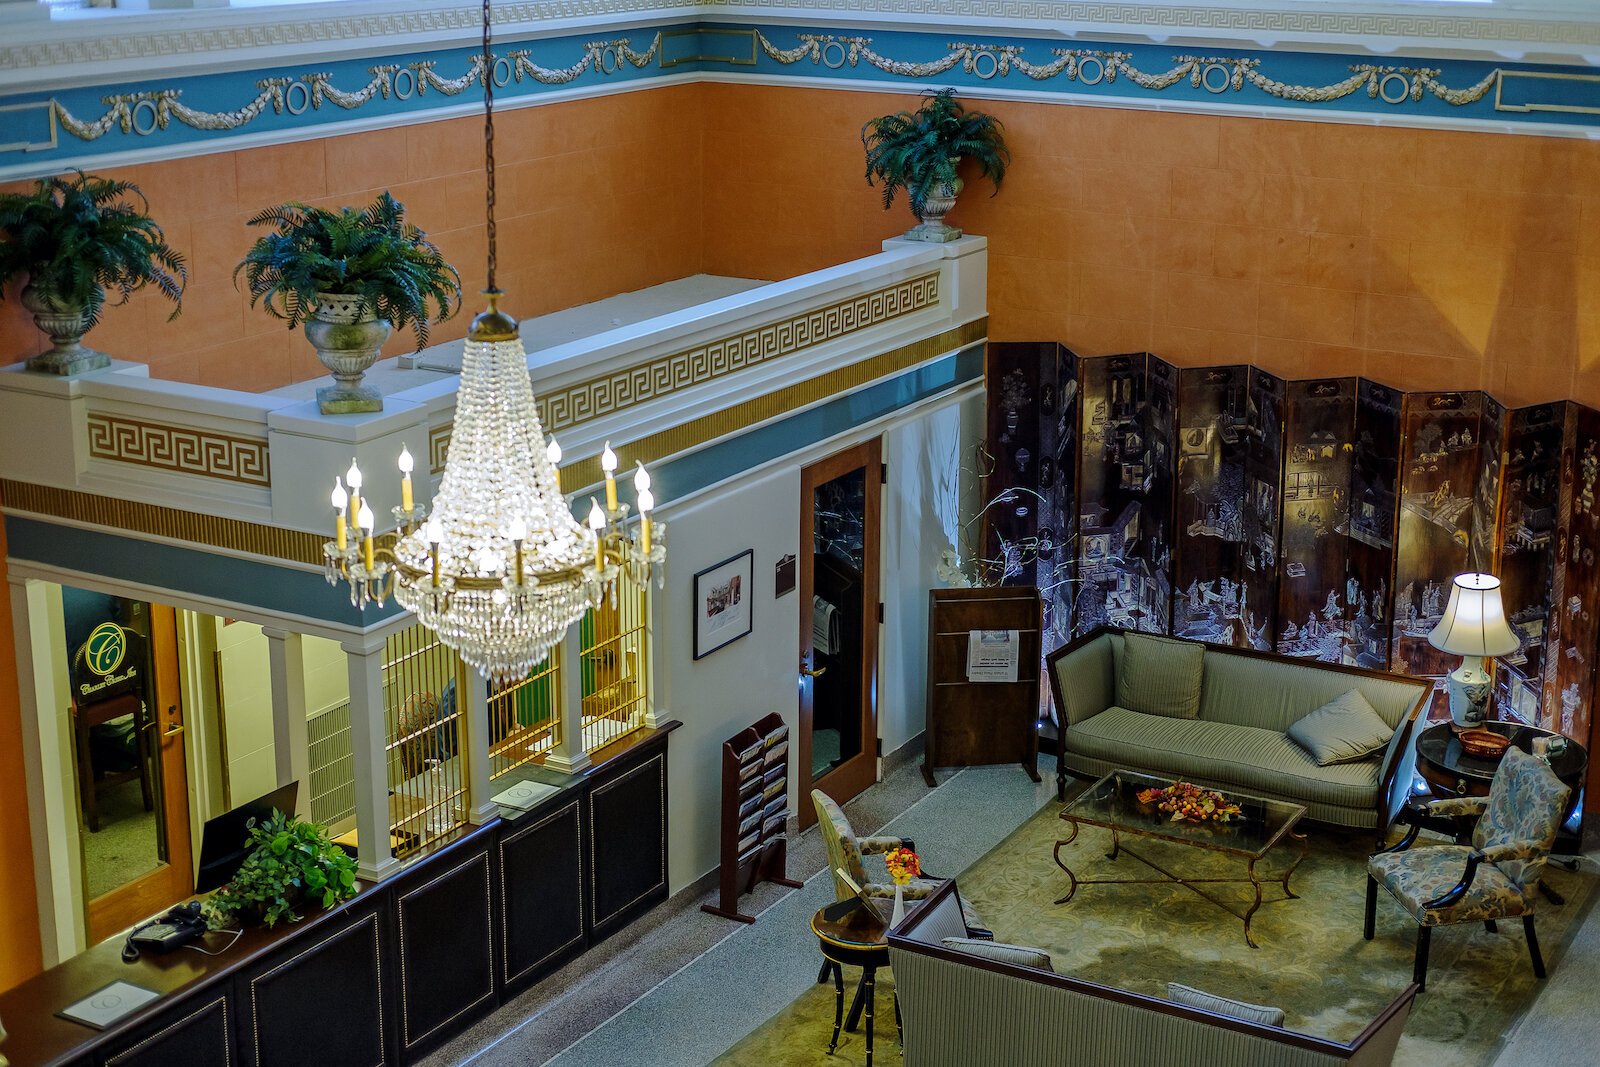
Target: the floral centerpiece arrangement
pixel 903 865
pixel 1188 802
pixel 291 863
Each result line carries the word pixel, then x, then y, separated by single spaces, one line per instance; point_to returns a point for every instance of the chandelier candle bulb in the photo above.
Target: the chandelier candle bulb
pixel 608 463
pixel 647 501
pixel 407 501
pixel 641 480
pixel 518 533
pixel 367 522
pixel 552 451
pixel 341 500
pixel 352 478
pixel 597 523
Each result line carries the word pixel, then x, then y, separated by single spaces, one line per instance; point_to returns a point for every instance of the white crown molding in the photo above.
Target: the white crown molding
pixel 87 51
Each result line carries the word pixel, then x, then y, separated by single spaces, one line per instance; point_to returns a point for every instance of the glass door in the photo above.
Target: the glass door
pixel 128 756
pixel 839 524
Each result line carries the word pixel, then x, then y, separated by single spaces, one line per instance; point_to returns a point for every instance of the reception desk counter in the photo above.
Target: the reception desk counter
pixel 401 967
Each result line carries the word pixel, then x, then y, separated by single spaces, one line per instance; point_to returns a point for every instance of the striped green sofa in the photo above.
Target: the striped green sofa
pixel 1248 699
pixel 962 1010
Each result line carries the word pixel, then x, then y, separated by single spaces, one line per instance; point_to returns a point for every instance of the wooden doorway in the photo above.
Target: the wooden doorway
pixel 840 508
pixel 166 870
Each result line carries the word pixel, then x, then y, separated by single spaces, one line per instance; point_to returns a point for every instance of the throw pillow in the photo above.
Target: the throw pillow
pixel 1343 730
pixel 1234 1009
pixel 1161 676
pixel 1017 955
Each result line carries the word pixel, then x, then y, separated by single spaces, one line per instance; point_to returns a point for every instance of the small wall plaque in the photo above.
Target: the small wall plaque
pixel 784 577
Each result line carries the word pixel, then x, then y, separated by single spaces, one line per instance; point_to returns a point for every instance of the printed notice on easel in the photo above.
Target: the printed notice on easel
pixel 993 655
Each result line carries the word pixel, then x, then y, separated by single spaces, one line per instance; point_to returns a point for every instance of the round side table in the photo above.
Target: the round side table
pixel 851 933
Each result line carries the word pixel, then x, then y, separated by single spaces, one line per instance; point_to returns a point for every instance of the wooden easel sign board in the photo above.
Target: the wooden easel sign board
pixel 983 678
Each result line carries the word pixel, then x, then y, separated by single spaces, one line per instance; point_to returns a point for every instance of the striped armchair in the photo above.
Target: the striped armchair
pixel 1496 878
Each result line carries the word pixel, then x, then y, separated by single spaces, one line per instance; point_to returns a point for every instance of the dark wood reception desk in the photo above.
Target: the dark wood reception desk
pixel 404 965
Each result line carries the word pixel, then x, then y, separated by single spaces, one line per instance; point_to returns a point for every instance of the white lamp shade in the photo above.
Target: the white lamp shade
pixel 1474 622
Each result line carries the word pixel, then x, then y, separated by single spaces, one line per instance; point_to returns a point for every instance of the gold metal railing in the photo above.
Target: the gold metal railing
pixel 525 717
pixel 614 642
pixel 422 698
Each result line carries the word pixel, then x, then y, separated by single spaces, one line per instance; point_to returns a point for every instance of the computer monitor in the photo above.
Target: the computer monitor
pixel 225 840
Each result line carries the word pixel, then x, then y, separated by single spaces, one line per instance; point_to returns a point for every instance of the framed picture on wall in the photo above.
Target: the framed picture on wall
pixel 722 609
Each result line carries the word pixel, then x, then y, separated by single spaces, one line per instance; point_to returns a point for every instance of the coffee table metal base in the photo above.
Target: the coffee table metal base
pixel 1252 878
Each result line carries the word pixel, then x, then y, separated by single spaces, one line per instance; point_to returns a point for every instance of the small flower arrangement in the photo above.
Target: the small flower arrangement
pixel 903 865
pixel 1188 802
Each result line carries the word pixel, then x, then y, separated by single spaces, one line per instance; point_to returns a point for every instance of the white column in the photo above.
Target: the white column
pixel 49 766
pixel 475 746
pixel 647 652
pixel 290 744
pixel 569 756
pixel 368 740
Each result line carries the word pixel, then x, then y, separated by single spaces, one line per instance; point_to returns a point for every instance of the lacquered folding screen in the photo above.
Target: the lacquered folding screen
pixel 1321 518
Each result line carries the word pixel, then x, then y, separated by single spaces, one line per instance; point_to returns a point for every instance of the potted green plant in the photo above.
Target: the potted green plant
pixel 291 862
pixel 919 151
pixel 349 275
pixel 75 237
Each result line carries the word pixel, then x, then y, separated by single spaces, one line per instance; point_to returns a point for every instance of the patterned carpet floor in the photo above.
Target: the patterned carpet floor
pixel 1312 961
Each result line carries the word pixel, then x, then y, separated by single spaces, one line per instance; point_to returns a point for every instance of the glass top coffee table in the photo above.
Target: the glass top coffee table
pixel 1112 803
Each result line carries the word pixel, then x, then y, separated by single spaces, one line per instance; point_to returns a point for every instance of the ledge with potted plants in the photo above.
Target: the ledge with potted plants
pixel 292 863
pixel 921 151
pixel 349 276
pixel 75 238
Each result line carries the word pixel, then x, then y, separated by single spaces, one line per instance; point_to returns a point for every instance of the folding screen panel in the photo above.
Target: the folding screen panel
pixel 1225 510
pixel 1318 454
pixel 1527 539
pixel 1124 493
pixel 1030 473
pixel 1569 677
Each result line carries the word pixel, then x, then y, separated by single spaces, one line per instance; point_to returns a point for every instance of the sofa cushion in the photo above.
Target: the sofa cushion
pixel 1161 676
pixel 1246 757
pixel 1017 955
pixel 1236 1009
pixel 1344 729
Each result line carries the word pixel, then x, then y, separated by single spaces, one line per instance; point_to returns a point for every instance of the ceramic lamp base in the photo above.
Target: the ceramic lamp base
pixel 1468 686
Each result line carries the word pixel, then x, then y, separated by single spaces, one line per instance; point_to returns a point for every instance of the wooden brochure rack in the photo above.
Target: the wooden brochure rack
pixel 971 723
pixel 755 814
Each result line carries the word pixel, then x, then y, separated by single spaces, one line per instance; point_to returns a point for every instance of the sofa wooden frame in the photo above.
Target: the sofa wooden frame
pixel 1402 755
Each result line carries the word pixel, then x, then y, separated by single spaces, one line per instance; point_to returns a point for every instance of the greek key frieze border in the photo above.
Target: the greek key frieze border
pixel 653 379
pixel 181 449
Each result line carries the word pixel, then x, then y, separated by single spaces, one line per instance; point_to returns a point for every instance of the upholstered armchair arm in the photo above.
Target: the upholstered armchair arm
pixel 1455 894
pixel 1458 806
pixel 1512 850
pixel 874 846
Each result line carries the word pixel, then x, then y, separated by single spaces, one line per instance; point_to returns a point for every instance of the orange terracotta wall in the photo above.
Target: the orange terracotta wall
pixel 595 197
pixel 19 914
pixel 1427 260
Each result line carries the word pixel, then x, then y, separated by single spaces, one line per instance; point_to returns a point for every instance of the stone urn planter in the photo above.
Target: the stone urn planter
pixel 65 324
pixel 348 341
pixel 935 206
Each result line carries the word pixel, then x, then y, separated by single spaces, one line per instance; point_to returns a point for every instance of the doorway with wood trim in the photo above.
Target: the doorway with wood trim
pixel 128 758
pixel 840 611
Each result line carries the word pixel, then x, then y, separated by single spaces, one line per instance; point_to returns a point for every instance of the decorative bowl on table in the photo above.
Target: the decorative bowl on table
pixel 1187 802
pixel 1484 744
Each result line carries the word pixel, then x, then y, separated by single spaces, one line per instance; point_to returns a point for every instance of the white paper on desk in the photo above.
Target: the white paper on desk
pixel 993 655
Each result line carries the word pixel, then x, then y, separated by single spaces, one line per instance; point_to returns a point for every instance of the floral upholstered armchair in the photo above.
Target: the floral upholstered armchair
pixel 1496 878
pixel 845 850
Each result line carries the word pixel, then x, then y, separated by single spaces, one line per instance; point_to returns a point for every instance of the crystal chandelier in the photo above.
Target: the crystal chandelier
pixel 501 569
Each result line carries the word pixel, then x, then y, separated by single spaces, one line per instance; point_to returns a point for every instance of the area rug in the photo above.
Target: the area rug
pixel 1312 961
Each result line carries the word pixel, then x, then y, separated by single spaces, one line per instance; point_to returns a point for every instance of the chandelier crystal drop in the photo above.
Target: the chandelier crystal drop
pixel 499 482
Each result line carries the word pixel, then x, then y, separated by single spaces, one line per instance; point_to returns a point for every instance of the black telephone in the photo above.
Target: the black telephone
pixel 179 926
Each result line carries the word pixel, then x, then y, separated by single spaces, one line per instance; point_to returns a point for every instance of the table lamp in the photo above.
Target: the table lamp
pixel 1473 626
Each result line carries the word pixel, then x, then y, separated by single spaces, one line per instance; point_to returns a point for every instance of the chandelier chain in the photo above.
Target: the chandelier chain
pixel 488 140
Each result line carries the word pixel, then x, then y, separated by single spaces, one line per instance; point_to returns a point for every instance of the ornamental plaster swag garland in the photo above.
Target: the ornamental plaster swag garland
pixel 144 113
